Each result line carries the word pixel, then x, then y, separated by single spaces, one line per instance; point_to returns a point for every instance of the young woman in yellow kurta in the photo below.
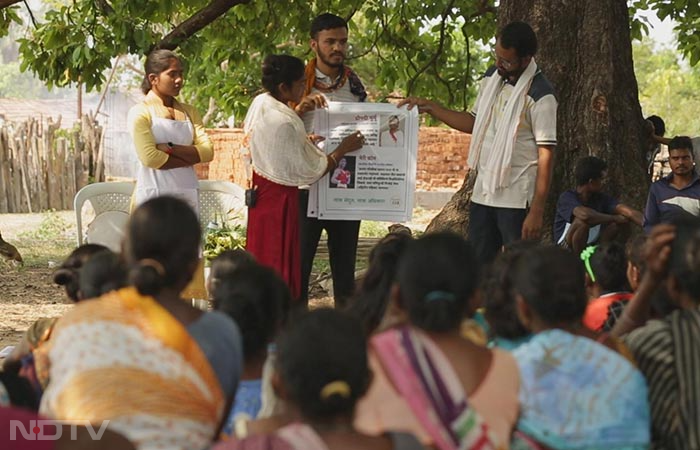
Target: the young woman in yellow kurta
pixel 170 139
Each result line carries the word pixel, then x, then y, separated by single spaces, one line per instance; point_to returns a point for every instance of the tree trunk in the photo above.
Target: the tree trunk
pixel 454 216
pixel 585 50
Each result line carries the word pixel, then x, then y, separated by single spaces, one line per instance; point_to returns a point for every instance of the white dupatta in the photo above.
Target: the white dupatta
pixel 495 171
pixel 279 146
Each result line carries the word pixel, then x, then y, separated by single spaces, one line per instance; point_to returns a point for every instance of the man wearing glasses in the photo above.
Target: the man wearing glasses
pixel 513 128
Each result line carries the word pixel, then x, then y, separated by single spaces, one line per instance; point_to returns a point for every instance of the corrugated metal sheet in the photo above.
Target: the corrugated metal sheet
pixel 119 154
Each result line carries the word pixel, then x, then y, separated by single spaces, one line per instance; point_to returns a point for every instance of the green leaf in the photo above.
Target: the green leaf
pixel 76 55
pixel 694 56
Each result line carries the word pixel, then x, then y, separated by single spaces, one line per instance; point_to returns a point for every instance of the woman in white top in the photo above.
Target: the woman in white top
pixel 283 158
pixel 170 139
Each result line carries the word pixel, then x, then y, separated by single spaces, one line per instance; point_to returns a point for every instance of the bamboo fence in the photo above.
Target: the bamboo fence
pixel 43 166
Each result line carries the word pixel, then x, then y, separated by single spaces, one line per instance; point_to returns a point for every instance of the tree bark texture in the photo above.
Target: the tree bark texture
pixel 454 216
pixel 585 51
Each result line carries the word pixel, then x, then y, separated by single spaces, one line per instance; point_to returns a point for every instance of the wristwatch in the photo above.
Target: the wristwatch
pixel 170 145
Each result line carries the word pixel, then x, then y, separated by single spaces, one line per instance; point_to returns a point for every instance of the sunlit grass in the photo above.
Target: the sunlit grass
pixel 51 241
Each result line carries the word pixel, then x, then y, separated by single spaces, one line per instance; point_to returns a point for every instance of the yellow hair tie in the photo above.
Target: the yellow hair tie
pixel 341 388
pixel 155 265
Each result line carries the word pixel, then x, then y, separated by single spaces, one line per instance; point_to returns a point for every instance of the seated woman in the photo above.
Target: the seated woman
pixel 371 301
pixel 161 371
pixel 504 328
pixel 104 272
pixel 258 300
pixel 68 275
pixel 575 393
pixel 225 265
pixel 428 378
pixel 321 373
pixel 667 349
pixel 283 158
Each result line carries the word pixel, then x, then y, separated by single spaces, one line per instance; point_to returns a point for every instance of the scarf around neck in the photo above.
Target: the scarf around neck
pixel 346 75
pixel 497 164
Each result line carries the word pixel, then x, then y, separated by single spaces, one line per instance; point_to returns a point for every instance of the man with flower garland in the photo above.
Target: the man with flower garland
pixel 328 79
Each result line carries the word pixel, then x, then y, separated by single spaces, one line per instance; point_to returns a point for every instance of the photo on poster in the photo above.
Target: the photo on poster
pixel 392 131
pixel 343 176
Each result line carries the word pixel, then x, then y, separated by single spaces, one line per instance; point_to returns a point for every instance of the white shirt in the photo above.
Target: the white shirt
pixel 538 127
pixel 341 94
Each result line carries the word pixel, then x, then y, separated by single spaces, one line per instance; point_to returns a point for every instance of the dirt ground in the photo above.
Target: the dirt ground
pixel 27 292
pixel 27 296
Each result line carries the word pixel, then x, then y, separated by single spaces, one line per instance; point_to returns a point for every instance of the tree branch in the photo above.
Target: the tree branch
pixel 348 18
pixel 210 111
pixel 442 80
pixel 199 20
pixel 377 34
pixel 468 70
pixel 484 8
pixel 437 53
pixel 105 7
pixel 134 69
pixel 31 14
pixel 6 3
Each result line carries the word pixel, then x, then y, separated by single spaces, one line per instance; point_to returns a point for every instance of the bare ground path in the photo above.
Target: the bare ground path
pixel 28 293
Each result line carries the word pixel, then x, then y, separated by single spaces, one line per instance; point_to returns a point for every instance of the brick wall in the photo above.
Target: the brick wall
pixel 227 164
pixel 442 158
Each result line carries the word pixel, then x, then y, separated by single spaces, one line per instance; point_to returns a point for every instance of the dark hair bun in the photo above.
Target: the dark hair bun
pixel 281 69
pixel 146 279
pixel 270 66
pixel 162 244
pixel 320 351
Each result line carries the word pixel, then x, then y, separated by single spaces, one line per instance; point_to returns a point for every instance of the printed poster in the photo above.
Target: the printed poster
pixel 376 182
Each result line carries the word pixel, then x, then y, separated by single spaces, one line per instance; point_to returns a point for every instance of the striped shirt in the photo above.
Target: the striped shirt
pixel 668 354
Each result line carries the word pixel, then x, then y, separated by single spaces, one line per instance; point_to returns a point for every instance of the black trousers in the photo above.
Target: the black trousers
pixel 342 251
pixel 490 228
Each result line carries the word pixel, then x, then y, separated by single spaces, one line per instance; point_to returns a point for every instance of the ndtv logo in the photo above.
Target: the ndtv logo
pixel 52 430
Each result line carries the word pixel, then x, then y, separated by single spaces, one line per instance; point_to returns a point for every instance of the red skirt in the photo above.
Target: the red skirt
pixel 273 231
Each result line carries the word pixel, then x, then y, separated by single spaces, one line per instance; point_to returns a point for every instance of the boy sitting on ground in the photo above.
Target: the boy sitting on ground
pixel 586 215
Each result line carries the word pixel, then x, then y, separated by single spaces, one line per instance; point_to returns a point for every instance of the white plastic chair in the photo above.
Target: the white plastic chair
pixel 217 199
pixel 110 201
